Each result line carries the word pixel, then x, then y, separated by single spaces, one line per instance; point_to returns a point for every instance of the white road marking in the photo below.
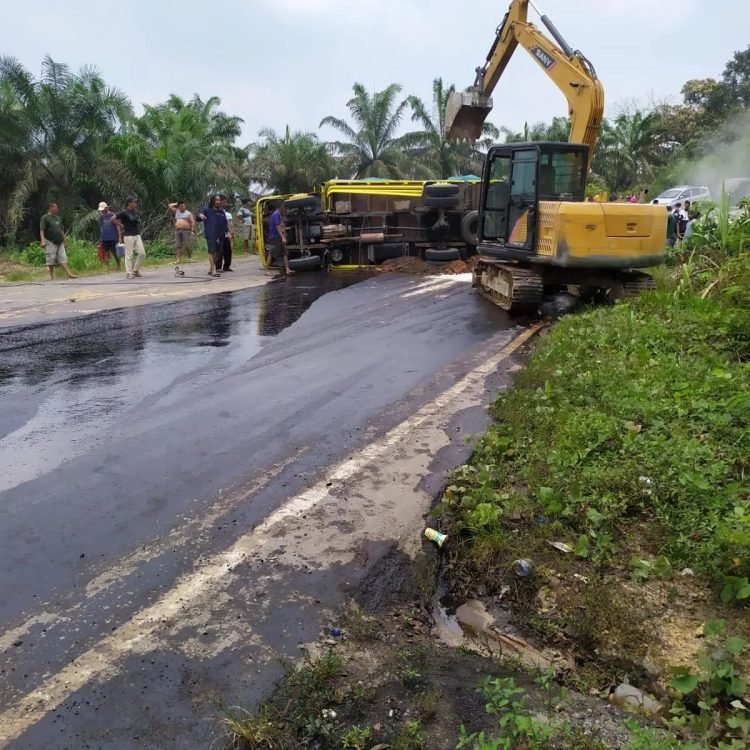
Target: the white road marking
pixel 124 567
pixel 104 658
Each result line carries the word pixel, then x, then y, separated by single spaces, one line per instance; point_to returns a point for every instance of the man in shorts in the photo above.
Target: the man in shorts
pixel 184 230
pixel 52 237
pixel 277 251
pixel 245 215
pixel 108 234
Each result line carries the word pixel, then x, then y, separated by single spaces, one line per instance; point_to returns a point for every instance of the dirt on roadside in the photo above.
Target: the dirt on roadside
pixel 382 677
pixel 419 267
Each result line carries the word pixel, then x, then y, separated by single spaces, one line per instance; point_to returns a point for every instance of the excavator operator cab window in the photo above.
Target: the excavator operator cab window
pixel 562 173
pixel 517 177
pixel 498 193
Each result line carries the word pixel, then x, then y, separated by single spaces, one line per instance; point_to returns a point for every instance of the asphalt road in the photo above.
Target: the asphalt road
pixel 189 490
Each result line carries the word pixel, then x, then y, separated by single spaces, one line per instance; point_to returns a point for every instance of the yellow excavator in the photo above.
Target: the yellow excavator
pixel 537 232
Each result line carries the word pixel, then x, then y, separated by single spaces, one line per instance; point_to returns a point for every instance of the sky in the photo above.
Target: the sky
pixel 279 62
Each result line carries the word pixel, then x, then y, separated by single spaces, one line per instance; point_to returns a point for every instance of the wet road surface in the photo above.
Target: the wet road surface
pixel 149 454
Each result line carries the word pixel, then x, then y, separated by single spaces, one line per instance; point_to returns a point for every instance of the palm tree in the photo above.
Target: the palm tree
pixel 180 150
pixel 434 154
pixel 629 151
pixel 292 163
pixel 371 148
pixel 52 130
pixel 557 130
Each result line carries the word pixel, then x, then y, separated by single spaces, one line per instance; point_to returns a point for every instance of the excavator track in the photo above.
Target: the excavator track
pixel 517 290
pixel 637 284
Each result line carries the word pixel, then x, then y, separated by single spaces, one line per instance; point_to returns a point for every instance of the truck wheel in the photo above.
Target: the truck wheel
pixel 305 264
pixel 303 201
pixel 440 190
pixel 448 201
pixel 470 228
pixel 442 256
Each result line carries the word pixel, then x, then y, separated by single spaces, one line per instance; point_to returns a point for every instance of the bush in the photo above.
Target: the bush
pixel 631 417
pixel 83 258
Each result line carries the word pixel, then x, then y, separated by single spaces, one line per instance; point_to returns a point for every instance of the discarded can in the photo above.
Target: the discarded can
pixel 561 547
pixel 522 568
pixel 435 536
pixel 631 699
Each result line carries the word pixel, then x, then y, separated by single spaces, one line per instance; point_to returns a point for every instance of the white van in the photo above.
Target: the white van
pixel 683 193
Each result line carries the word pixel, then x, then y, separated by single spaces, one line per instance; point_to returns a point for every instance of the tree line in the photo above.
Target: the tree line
pixel 69 137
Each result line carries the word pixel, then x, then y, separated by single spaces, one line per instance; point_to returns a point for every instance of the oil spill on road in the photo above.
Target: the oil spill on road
pixel 63 384
pixel 110 342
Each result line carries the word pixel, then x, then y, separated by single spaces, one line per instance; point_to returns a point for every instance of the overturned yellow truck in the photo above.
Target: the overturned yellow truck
pixel 350 224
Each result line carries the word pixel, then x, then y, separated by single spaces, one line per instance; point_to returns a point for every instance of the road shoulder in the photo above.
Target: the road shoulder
pixel 43 302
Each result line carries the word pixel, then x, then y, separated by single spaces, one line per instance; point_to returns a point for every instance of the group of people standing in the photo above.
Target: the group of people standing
pixel 217 230
pixel 120 234
pixel 680 222
pixel 122 228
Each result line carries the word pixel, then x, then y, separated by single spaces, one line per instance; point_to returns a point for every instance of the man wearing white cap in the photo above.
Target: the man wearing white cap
pixel 108 234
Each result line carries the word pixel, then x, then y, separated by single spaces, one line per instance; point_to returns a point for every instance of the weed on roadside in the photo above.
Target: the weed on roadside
pixel 427 703
pixel 358 626
pixel 628 438
pixel 262 730
pixel 712 701
pixel 408 737
pixel 302 707
pixel 356 738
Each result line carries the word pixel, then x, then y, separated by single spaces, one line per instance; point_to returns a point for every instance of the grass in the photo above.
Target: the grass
pixel 627 438
pixel 302 709
pixel 626 435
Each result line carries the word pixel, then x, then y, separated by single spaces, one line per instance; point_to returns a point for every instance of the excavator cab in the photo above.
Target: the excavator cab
pixel 517 178
pixel 537 232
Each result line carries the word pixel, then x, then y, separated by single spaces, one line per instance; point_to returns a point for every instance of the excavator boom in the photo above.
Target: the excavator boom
pixel 571 72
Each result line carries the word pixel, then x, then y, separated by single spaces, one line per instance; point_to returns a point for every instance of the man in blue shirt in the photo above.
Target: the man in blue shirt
pixel 108 234
pixel 215 230
pixel 277 241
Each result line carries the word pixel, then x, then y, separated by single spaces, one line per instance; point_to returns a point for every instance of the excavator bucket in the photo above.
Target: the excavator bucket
pixel 465 115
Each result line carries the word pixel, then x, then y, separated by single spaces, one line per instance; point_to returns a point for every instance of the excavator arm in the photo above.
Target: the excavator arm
pixel 569 70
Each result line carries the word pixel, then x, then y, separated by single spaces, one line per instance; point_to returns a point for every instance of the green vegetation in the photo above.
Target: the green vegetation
pixel 302 708
pixel 321 704
pixel 408 737
pixel 518 728
pixel 371 146
pixel 432 154
pixel 628 437
pixel 69 137
pixel 28 263
pixel 291 163
pixel 713 705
